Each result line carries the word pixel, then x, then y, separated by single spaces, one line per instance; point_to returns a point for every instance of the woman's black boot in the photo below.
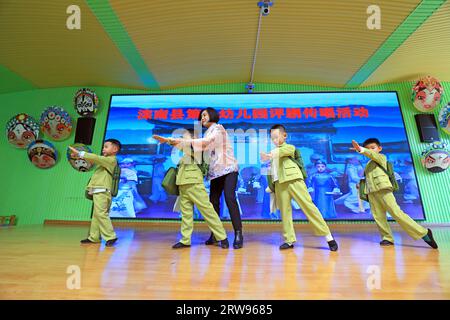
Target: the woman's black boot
pixel 238 239
pixel 211 241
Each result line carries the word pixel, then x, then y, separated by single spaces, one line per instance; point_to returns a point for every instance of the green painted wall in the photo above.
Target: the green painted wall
pixel 36 195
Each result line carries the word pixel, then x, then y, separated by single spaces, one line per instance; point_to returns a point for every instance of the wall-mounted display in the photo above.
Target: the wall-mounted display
pixel 56 123
pixel 86 102
pixel 77 163
pixel 436 157
pixel 444 118
pixel 21 130
pixel 42 154
pixel 427 94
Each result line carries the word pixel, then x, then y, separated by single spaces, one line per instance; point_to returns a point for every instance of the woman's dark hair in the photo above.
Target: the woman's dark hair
pixel 212 113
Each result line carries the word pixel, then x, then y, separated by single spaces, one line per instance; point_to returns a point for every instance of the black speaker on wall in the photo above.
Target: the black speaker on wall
pixel 85 130
pixel 427 127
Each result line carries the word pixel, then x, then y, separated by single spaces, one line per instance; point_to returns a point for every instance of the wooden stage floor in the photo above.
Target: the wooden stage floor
pixel 35 260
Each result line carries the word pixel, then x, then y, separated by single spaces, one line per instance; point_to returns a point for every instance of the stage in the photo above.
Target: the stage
pixel 41 262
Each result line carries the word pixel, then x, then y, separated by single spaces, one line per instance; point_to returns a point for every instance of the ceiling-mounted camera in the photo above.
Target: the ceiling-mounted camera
pixel 265 7
pixel 250 86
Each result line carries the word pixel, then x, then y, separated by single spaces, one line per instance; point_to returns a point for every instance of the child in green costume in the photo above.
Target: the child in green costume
pixel 192 192
pixel 379 189
pixel 289 184
pixel 100 186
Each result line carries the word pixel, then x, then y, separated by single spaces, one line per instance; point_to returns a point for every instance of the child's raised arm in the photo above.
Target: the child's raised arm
pixel 177 143
pixel 107 162
pixel 377 157
pixel 356 146
pixel 161 139
pixel 287 150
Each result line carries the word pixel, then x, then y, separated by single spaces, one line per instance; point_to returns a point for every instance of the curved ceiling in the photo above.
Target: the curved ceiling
pixel 165 44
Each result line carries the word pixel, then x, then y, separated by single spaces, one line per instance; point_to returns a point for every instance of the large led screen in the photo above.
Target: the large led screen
pixel 320 125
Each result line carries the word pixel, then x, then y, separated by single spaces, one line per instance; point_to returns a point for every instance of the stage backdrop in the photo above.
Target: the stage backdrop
pixel 320 125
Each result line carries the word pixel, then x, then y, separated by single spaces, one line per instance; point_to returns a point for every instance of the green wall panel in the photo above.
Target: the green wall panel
pixel 10 81
pixel 36 195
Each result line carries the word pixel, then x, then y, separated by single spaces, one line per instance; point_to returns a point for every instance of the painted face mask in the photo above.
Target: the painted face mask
pixel 79 164
pixel 436 157
pixel 42 154
pixel 86 102
pixel 444 118
pixel 56 123
pixel 21 130
pixel 427 93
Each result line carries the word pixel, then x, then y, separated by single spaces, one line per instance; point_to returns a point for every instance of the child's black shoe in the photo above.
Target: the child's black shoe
pixel 430 240
pixel 285 246
pixel 87 241
pixel 111 242
pixel 386 243
pixel 333 245
pixel 180 245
